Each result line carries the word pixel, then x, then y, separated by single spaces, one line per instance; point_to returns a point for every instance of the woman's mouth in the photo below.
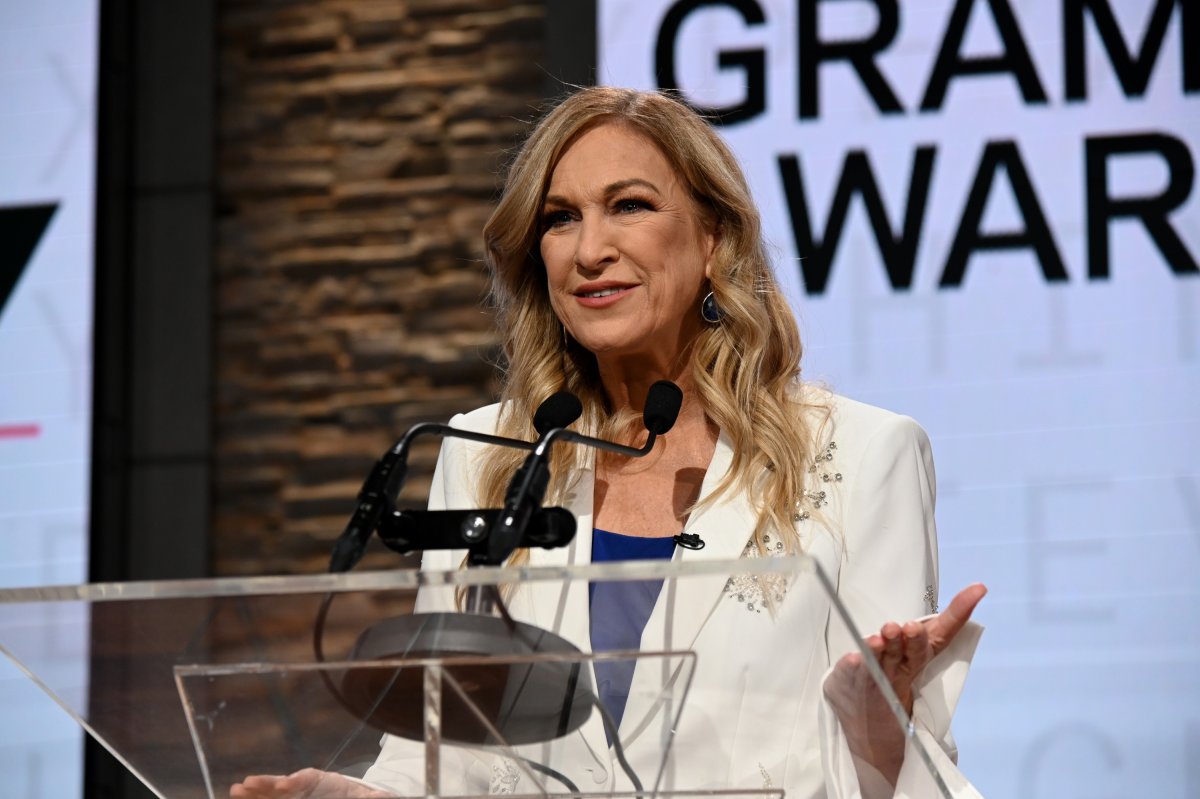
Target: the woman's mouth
pixel 603 296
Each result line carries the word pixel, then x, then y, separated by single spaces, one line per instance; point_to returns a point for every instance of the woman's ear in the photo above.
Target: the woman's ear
pixel 712 240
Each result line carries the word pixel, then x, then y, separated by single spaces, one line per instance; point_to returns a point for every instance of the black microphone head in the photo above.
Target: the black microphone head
pixel 663 402
pixel 560 409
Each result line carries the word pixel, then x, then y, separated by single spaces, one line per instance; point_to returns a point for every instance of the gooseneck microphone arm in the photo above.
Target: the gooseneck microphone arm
pixel 378 491
pixel 377 496
pixel 528 485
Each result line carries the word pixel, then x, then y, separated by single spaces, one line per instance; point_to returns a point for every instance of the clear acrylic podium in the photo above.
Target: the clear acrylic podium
pixel 195 685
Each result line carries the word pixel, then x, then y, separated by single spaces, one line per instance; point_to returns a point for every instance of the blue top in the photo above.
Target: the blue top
pixel 619 612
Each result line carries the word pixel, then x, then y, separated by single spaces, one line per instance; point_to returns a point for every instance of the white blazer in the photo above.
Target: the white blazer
pixel 755 715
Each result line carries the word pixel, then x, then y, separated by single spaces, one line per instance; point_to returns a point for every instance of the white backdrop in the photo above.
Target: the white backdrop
pixel 1061 396
pixel 48 68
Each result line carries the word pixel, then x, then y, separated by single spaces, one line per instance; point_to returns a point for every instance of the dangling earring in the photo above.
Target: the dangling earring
pixel 709 310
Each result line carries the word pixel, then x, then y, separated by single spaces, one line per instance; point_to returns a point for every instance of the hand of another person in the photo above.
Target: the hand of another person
pixel 903 651
pixel 309 783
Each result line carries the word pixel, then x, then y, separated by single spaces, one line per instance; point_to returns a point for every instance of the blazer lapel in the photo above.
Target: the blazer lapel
pixel 725 526
pixel 562 606
pixel 685 604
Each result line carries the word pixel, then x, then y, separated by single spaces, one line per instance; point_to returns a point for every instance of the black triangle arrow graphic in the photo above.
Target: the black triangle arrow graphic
pixel 21 229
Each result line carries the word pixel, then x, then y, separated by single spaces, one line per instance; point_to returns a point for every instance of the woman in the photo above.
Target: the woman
pixel 626 249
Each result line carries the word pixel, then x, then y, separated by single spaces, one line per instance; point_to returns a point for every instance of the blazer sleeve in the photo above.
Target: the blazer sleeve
pixel 889 572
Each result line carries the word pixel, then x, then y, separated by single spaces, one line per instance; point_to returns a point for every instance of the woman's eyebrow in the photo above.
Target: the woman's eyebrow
pixel 621 185
pixel 609 190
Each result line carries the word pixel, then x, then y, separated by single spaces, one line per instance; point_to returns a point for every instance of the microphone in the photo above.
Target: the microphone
pixel 378 492
pixel 528 486
pixel 560 409
pixel 663 402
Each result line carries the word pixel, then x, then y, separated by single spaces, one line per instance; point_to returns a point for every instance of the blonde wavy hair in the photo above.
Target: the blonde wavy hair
pixel 746 369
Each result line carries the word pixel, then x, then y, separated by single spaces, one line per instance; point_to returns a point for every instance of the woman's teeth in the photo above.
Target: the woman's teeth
pixel 600 293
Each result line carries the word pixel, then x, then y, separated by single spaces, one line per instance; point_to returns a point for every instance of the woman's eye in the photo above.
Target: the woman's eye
pixel 631 205
pixel 555 218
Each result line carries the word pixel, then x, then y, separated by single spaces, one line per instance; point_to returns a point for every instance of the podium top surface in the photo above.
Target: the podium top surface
pixel 398 580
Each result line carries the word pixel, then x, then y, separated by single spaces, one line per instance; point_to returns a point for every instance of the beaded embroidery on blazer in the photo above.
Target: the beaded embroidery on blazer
pixel 758 591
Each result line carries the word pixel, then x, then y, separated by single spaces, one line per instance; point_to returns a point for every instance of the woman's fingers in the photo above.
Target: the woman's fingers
pixel 902 653
pixel 256 786
pixel 916 647
pixel 309 783
pixel 893 649
pixel 847 685
pixel 943 627
pixel 299 785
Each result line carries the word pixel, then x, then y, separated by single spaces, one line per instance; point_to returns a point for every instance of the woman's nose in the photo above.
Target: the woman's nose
pixel 594 246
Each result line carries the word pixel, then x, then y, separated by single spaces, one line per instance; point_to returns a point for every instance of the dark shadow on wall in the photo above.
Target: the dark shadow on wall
pixel 152 402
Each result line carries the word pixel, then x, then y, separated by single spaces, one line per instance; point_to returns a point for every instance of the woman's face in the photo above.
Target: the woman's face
pixel 626 251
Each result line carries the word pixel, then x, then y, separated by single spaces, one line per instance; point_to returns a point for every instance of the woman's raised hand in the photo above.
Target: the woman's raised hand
pixel 309 783
pixel 903 651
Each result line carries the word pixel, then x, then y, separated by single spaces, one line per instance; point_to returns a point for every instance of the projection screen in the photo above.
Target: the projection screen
pixel 986 216
pixel 48 74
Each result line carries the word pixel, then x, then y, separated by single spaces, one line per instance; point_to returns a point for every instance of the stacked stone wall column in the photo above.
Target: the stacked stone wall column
pixel 361 145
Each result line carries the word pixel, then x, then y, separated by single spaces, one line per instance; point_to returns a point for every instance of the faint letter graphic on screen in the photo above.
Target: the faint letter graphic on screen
pixel 21 229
